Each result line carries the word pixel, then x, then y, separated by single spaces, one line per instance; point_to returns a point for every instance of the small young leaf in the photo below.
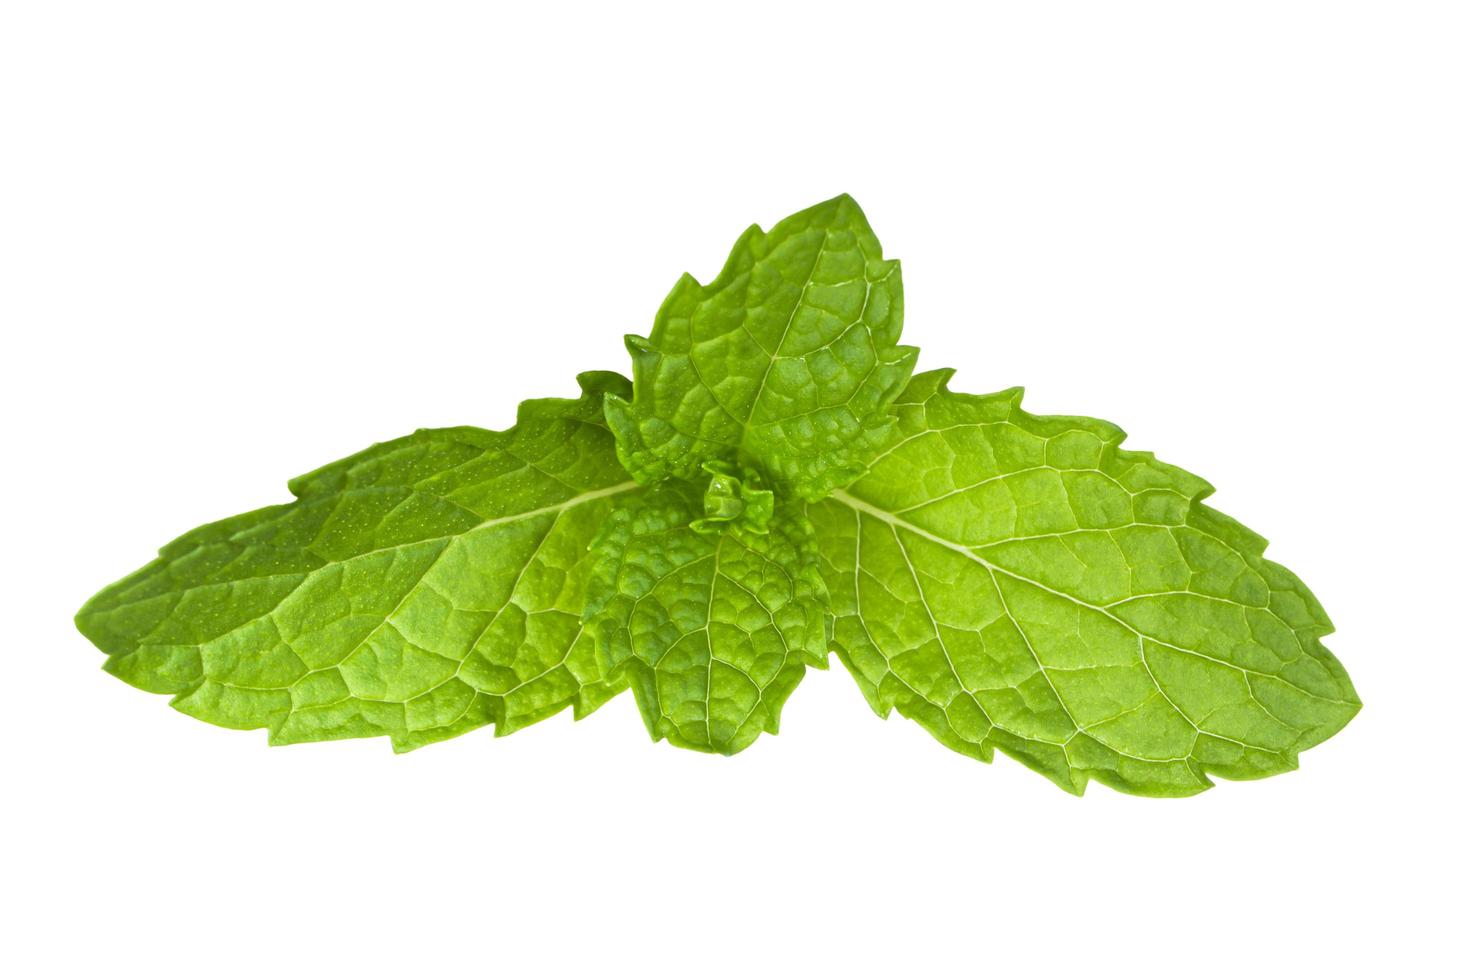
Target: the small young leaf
pixel 785 363
pixel 419 589
pixel 731 496
pixel 715 627
pixel 1019 582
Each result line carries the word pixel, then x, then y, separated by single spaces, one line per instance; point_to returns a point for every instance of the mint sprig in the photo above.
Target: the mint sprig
pixel 770 486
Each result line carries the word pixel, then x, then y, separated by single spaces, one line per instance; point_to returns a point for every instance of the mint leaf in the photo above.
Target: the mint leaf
pixel 785 363
pixel 1019 582
pixel 419 589
pixel 714 627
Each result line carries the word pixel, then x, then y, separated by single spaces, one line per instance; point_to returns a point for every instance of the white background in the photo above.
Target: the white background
pixel 241 240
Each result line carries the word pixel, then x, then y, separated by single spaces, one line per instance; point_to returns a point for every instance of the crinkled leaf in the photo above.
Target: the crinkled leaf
pixel 715 627
pixel 732 496
pixel 419 589
pixel 1019 582
pixel 785 363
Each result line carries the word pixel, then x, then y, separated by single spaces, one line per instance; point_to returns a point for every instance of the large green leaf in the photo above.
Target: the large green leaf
pixel 419 589
pixel 786 362
pixel 713 607
pixel 1019 582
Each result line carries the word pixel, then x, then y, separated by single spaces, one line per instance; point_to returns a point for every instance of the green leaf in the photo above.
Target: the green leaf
pixel 785 363
pixel 714 627
pixel 732 496
pixel 1019 582
pixel 420 589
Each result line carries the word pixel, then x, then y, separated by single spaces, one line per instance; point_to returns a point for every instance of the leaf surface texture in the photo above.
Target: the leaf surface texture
pixel 1020 582
pixel 785 363
pixel 715 627
pixel 420 589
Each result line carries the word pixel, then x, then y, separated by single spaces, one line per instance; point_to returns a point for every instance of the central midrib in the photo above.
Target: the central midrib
pixel 890 518
pixel 565 505
pixel 775 355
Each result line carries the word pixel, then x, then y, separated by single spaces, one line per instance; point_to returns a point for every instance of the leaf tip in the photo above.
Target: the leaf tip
pixel 939 378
